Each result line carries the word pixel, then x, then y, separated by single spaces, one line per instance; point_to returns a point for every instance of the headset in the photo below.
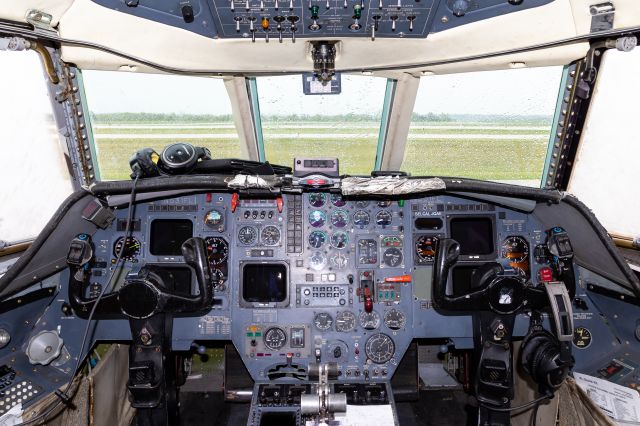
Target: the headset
pixel 175 159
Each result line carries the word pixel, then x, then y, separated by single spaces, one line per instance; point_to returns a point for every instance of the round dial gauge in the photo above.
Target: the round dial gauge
pixel 581 337
pixel 217 277
pixel 345 321
pixel 247 235
pixel 380 348
pixel 395 319
pixel 336 200
pixel 339 218
pixel 339 260
pixel 275 338
pixel 317 199
pixel 361 218
pixel 323 321
pixel 130 249
pixel 317 239
pixel 383 218
pixel 217 250
pixel 426 247
pixel 516 249
pixel 392 257
pixel 384 204
pixel 270 235
pixel 369 320
pixel 317 218
pixel 317 261
pixel 213 218
pixel 362 204
pixel 339 240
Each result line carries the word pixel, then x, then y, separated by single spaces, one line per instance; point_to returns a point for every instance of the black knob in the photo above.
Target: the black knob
pixel 337 352
pixel 187 13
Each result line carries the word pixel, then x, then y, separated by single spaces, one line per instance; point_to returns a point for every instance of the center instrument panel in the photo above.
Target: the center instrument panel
pixel 316 278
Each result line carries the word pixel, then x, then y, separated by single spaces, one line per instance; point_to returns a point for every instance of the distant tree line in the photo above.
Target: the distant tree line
pixel 147 117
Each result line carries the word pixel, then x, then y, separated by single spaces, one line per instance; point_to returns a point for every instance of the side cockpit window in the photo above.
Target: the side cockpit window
pixel 34 178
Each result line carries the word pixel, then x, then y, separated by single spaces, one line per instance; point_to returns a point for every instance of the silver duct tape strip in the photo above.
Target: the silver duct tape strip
pixel 389 185
pixel 247 181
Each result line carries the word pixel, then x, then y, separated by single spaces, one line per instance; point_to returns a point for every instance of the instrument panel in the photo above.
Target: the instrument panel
pixel 315 277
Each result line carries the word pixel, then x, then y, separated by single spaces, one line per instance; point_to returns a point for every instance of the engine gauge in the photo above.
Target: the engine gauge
pixel 339 218
pixel 317 239
pixel 383 218
pixel 275 338
pixel 426 247
pixel 317 261
pixel 339 240
pixel 345 321
pixel 317 199
pixel 336 200
pixel 130 249
pixel 323 321
pixel 213 219
pixel 380 348
pixel 384 204
pixel 317 218
pixel 367 252
pixel 369 320
pixel 270 235
pixel 362 204
pixel 392 257
pixel 339 261
pixel 217 278
pixel 217 250
pixel 247 235
pixel 361 218
pixel 395 319
pixel 516 249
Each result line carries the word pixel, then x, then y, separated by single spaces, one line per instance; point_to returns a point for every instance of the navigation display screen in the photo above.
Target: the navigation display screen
pixel 474 234
pixel 264 283
pixel 167 236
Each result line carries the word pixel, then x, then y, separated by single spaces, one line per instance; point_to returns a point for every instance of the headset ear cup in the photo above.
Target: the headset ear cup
pixel 540 361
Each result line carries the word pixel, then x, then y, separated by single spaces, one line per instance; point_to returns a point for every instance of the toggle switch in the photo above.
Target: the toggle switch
pixel 266 29
pixel 357 14
pixel 293 19
pixel 393 18
pixel 374 27
pixel 252 30
pixel 399 5
pixel 380 5
pixel 233 5
pixel 290 4
pixel 237 19
pixel 314 17
pixel 261 4
pixel 247 5
pixel 279 19
pixel 411 18
pixel 276 5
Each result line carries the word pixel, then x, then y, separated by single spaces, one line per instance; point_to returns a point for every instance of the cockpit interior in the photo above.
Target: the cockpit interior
pixel 319 212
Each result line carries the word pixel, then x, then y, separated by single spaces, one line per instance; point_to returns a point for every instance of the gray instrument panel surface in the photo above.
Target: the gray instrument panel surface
pixel 331 286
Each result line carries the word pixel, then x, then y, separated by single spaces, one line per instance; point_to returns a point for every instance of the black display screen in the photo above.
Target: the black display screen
pixel 474 234
pixel 264 283
pixel 167 236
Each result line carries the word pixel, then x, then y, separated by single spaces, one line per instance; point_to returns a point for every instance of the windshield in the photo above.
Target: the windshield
pixel 492 125
pixel 133 111
pixel 345 126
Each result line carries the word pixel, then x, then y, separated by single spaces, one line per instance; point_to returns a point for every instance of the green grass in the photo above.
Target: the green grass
pixel 509 159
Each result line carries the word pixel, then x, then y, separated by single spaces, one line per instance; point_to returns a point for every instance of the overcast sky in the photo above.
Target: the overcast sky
pixel 523 91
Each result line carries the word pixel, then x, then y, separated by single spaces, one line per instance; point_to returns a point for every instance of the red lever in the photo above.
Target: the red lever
pixel 368 301
pixel 235 201
pixel 399 279
pixel 279 204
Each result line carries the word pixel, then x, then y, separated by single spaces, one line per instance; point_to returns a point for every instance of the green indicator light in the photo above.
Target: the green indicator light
pixel 249 334
pixel 357 11
pixel 401 203
pixel 258 334
pixel 393 295
pixel 314 11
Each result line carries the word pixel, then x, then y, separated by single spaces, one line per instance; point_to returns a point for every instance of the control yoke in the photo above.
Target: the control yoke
pixel 144 294
pixel 490 289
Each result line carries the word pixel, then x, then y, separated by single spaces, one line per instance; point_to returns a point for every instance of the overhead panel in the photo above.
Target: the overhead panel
pixel 289 19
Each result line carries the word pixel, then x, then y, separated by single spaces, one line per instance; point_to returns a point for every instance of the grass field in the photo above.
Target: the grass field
pixel 484 150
